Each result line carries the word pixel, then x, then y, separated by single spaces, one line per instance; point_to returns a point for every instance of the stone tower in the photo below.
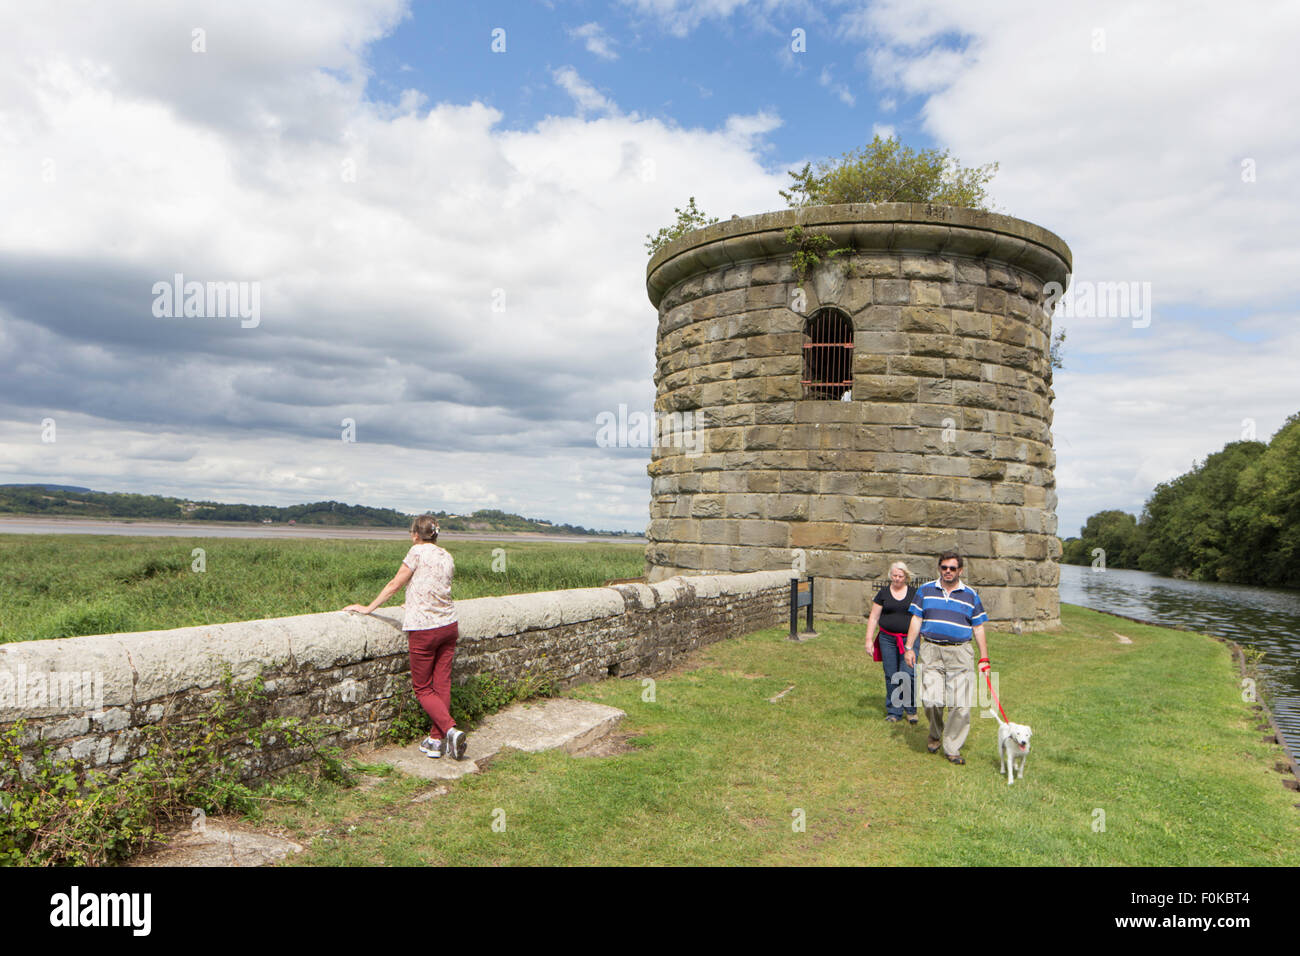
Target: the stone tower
pixel 893 404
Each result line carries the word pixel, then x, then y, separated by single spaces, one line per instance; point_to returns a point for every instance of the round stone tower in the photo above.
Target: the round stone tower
pixel 891 403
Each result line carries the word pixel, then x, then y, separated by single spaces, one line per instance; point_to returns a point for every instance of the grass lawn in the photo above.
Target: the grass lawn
pixel 69 585
pixel 1154 735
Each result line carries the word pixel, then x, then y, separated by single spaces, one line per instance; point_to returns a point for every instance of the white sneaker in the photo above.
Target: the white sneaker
pixel 430 747
pixel 456 744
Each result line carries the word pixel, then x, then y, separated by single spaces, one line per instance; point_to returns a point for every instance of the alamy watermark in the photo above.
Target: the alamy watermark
pixel 61 690
pixel 984 693
pixel 1100 300
pixel 638 429
pixel 208 300
pixel 78 909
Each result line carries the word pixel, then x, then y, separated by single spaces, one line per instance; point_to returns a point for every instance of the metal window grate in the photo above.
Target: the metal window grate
pixel 828 355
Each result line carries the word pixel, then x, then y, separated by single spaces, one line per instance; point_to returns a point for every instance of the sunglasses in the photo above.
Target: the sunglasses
pixel 950 567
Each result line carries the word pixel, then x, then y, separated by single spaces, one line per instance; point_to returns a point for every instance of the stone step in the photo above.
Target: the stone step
pixel 209 843
pixel 554 724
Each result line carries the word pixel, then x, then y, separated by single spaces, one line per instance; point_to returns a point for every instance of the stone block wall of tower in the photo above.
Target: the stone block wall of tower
pixel 944 441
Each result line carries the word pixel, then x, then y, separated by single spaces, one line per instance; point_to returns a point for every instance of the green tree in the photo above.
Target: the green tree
pixel 1116 532
pixel 1233 517
pixel 1189 522
pixel 1073 552
pixel 887 171
pixel 1266 517
pixel 687 219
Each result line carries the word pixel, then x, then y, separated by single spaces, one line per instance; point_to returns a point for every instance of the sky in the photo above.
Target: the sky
pixel 435 215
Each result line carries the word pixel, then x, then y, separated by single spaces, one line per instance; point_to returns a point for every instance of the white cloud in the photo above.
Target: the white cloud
pixel 381 235
pixel 283 69
pixel 585 96
pixel 750 128
pixel 253 467
pixel 384 237
pixel 680 17
pixel 596 40
pixel 1153 401
pixel 1133 154
pixel 841 90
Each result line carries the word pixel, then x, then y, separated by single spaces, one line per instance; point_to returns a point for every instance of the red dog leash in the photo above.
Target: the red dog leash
pixel 989 680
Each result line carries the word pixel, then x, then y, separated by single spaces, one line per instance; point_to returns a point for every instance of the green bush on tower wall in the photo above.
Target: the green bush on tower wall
pixel 882 171
pixel 887 171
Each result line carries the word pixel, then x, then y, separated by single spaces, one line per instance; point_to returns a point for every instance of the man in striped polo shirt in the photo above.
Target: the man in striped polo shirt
pixel 945 616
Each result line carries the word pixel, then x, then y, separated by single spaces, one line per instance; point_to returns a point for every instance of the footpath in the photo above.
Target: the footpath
pixel 578 727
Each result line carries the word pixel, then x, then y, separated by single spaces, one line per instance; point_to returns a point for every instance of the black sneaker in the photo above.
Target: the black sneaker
pixel 455 744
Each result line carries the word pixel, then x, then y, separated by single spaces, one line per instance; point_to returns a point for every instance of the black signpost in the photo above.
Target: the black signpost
pixel 801 595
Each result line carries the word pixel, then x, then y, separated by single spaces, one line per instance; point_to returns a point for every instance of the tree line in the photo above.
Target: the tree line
pixel 1234 517
pixel 54 500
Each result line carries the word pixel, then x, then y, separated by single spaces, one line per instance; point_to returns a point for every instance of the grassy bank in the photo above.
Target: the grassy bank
pixel 69 585
pixel 1152 735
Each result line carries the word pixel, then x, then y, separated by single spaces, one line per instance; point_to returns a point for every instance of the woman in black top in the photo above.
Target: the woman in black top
pixel 890 615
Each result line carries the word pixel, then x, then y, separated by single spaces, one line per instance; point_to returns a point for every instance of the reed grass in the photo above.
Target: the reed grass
pixel 70 585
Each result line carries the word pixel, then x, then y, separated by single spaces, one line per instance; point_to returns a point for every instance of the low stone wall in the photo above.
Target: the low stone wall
pixel 92 697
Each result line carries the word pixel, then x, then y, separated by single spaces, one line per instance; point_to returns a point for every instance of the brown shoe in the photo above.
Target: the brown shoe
pixel 955 758
pixel 933 746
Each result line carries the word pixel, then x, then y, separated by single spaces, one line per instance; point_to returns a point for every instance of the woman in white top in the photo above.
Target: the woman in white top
pixel 431 632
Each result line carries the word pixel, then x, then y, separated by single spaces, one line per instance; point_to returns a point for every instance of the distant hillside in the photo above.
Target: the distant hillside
pixel 50 487
pixel 80 502
pixel 493 520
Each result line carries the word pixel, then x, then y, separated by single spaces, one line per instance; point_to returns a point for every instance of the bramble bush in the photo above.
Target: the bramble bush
pixel 61 814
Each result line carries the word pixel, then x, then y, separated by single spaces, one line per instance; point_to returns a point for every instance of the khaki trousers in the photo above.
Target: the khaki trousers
pixel 948 679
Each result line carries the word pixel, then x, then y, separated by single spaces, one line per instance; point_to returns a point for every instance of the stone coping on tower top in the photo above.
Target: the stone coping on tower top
pixel 924 228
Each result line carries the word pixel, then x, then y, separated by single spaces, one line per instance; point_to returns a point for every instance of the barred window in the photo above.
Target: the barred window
pixel 828 355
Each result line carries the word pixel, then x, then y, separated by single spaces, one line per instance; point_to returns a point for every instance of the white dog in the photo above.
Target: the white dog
pixel 1013 742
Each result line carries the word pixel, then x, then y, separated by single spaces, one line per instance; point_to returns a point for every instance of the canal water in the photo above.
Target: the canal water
pixel 1263 618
